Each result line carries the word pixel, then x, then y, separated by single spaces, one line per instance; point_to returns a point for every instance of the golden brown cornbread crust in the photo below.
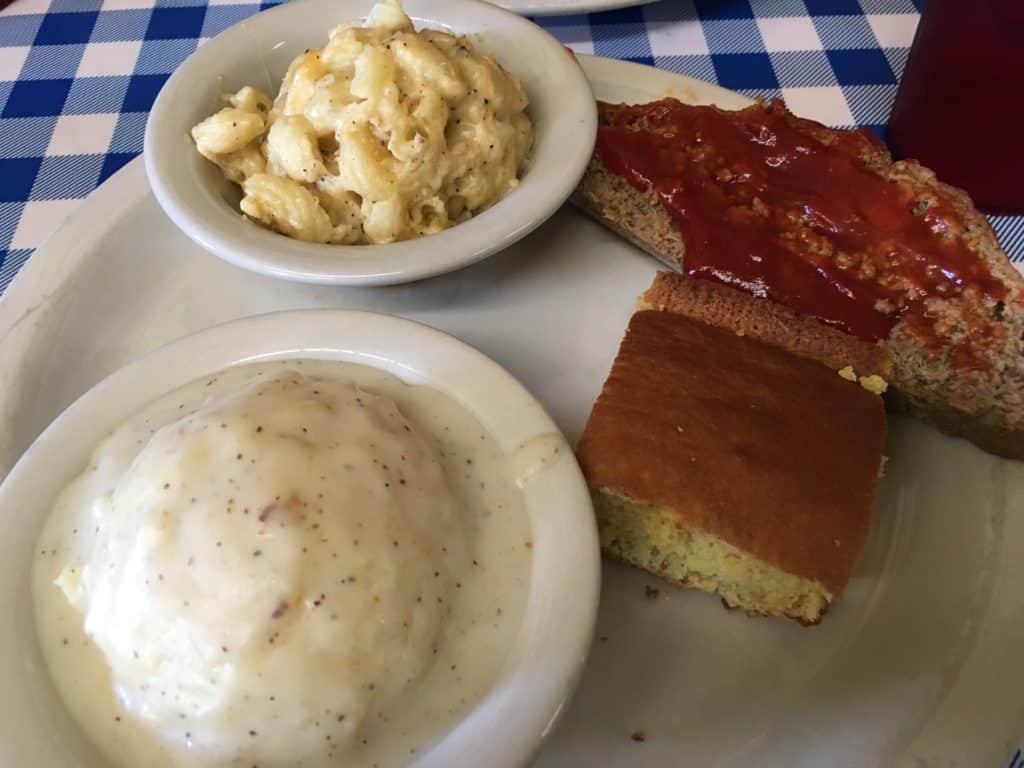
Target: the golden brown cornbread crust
pixel 983 405
pixel 772 323
pixel 775 454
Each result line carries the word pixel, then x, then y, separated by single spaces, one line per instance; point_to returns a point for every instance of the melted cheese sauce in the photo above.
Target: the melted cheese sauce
pixel 299 563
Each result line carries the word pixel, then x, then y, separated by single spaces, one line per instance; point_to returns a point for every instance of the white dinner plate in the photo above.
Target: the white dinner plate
pixel 918 665
pixel 565 7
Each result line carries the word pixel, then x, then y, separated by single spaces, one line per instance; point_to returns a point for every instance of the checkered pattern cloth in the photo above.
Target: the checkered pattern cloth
pixel 77 78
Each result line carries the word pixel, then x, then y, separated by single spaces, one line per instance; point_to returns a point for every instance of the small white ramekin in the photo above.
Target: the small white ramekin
pixel 197 197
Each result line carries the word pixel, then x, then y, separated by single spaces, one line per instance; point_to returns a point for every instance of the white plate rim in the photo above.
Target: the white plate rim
pixel 547 658
pixel 567 7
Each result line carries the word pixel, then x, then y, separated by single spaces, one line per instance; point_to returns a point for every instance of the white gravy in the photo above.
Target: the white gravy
pixel 257 569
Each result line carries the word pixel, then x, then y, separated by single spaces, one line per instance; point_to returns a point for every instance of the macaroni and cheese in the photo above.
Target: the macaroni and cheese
pixel 386 133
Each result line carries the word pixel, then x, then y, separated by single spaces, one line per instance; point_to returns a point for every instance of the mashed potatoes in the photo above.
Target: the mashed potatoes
pixel 385 134
pixel 273 578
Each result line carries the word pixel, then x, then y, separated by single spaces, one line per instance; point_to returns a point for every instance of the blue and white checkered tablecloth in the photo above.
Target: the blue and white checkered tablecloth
pixel 77 78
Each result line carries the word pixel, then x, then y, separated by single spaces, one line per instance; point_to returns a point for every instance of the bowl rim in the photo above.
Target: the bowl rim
pixel 547 658
pixel 561 153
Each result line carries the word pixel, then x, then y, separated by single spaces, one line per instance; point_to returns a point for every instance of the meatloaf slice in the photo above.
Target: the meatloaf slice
pixel 957 353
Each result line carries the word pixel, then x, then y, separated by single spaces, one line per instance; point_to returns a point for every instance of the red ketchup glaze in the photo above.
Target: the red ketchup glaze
pixel 773 210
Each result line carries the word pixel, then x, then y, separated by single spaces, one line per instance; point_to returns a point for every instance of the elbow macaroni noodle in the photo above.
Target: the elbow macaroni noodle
pixel 384 134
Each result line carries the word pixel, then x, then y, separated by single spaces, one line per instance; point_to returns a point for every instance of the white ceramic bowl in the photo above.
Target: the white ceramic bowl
pixel 257 51
pixel 546 659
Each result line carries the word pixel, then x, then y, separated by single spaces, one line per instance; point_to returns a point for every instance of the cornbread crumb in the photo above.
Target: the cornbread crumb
pixel 874 383
pixel 651 593
pixel 638 736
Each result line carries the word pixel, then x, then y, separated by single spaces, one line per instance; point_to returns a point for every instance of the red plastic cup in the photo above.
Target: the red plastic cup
pixel 960 106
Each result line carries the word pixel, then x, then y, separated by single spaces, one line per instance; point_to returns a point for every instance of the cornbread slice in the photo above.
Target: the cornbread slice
pixel 723 463
pixel 768 321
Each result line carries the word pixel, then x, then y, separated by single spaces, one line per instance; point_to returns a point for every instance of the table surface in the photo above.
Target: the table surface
pixel 77 78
